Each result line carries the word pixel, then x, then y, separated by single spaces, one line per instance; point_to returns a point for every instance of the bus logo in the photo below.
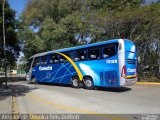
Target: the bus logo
pixel 45 68
pixel 131 70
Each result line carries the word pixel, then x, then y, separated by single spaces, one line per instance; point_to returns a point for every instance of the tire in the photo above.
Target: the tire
pixel 75 82
pixel 88 83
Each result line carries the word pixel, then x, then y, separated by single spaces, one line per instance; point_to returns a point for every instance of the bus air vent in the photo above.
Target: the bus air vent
pixel 131 61
pixel 111 77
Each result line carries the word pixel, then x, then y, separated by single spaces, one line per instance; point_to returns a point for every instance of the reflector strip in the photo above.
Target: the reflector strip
pixel 131 76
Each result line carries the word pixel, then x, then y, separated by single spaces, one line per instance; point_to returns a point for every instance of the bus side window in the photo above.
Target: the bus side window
pixel 36 61
pixel 74 56
pixel 63 59
pixel 43 60
pixel 53 59
pixel 81 55
pixel 109 50
pixel 94 54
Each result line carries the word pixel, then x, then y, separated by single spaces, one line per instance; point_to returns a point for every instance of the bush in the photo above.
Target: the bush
pixel 149 79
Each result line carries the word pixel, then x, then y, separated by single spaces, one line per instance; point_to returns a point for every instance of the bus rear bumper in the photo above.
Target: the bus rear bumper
pixel 131 81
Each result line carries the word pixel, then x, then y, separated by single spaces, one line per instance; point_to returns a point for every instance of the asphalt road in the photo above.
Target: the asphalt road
pixel 53 99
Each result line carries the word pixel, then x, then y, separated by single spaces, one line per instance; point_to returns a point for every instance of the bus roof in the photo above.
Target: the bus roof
pixel 75 48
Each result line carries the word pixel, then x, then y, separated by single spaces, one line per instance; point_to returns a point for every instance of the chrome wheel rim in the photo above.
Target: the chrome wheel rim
pixel 88 83
pixel 75 82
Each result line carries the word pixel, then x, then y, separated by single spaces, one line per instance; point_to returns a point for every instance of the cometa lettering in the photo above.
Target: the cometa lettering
pixel 131 70
pixel 45 68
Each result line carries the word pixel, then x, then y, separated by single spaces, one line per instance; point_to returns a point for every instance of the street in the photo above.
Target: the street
pixel 134 99
pixel 53 99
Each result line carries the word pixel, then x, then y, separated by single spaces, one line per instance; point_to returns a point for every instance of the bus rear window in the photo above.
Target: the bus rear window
pixel 110 50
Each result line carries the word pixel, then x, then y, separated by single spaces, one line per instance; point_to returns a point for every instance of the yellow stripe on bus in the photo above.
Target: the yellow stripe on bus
pixel 73 64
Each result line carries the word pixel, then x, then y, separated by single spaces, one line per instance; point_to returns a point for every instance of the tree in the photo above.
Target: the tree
pixel 12 43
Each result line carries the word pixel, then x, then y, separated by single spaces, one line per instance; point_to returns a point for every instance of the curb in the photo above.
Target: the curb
pixel 148 83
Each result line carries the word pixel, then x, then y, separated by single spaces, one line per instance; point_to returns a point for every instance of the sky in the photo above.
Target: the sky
pixel 18 6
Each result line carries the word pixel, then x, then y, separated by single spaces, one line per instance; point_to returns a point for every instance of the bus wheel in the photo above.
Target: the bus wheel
pixel 88 83
pixel 75 82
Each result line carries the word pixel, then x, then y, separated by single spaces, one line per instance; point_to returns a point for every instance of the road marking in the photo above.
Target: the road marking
pixel 15 110
pixel 83 111
pixel 148 83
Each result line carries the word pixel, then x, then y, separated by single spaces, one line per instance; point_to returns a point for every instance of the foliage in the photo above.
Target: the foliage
pixel 12 43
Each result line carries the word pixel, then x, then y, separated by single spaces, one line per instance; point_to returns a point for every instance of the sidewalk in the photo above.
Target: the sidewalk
pixel 5 100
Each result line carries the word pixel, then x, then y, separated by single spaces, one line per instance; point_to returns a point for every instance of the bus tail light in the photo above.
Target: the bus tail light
pixel 123 73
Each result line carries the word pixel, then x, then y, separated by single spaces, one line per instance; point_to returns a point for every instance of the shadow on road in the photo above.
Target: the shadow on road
pixel 110 89
pixel 55 84
pixel 12 79
pixel 18 90
pixel 114 89
pixel 5 93
pixel 17 78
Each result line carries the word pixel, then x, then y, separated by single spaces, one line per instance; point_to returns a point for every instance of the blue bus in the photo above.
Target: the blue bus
pixel 110 63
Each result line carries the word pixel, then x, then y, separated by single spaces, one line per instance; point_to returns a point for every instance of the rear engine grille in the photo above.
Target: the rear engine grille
pixel 109 77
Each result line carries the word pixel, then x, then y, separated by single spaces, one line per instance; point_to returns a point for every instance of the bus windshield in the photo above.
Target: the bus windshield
pixel 28 65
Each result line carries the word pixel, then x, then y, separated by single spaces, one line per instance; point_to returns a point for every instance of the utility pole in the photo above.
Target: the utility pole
pixel 4 45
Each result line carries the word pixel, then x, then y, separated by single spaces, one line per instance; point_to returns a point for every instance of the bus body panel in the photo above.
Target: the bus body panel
pixel 106 72
pixel 54 73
